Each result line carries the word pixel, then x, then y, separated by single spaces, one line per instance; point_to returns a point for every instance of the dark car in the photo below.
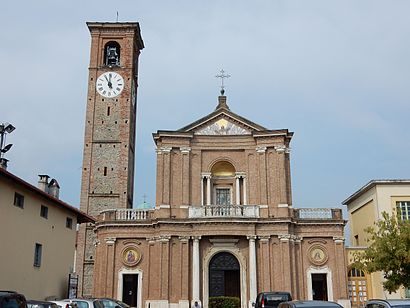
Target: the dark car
pixel 309 304
pixel 41 304
pixel 11 299
pixel 388 303
pixel 271 299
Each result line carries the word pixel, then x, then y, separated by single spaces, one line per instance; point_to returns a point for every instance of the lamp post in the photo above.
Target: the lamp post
pixel 5 128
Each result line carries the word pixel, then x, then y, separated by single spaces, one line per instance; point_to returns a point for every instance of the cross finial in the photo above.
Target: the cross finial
pixel 222 75
pixel 145 197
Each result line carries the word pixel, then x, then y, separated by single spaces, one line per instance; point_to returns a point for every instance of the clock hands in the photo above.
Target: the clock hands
pixel 109 81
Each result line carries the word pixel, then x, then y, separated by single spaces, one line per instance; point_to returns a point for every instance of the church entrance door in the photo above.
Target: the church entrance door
pixel 319 287
pixel 129 289
pixel 224 276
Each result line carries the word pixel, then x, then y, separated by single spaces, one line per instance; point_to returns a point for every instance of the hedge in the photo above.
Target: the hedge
pixel 224 302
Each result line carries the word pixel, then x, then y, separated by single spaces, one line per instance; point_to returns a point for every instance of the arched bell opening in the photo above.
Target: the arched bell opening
pixel 112 54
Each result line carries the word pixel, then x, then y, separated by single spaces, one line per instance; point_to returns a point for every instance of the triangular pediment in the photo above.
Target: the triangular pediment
pixel 222 122
pixel 223 126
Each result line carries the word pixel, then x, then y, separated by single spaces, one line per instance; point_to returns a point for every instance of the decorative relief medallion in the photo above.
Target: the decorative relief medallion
pixel 130 256
pixel 223 127
pixel 317 255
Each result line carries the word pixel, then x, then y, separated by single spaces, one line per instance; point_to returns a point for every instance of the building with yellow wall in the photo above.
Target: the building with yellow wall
pixel 365 207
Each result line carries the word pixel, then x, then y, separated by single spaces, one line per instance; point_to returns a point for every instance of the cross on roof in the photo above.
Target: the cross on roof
pixel 222 75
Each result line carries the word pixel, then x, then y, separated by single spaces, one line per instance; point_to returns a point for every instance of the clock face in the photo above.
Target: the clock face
pixel 110 84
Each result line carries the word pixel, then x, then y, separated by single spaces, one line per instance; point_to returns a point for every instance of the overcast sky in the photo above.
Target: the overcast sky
pixel 334 72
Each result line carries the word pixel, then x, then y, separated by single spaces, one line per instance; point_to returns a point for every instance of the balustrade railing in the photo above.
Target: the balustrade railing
pixel 206 211
pixel 318 213
pixel 126 214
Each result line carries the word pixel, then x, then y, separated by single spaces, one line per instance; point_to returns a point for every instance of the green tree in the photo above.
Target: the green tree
pixel 388 251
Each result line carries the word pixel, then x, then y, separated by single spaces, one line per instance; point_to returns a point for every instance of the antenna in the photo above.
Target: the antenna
pixel 117 16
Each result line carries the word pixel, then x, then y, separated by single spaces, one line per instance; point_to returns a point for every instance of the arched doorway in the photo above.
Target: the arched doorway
pixel 224 275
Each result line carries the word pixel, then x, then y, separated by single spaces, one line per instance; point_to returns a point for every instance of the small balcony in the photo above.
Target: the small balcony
pixel 127 214
pixel 225 211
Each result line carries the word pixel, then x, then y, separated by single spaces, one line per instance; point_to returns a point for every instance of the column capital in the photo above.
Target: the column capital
pixel 338 239
pixel 264 238
pixel 196 238
pixel 285 237
pixel 184 239
pixel 166 149
pixel 240 174
pixel 164 238
pixel 281 149
pixel 206 175
pixel 110 240
pixel 185 150
pixel 151 240
pixel 261 149
pixel 251 237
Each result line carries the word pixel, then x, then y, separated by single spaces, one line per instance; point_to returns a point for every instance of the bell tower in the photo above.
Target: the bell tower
pixel 109 141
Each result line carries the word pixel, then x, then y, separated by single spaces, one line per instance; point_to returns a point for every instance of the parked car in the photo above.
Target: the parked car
pixel 271 299
pixel 113 303
pixel 12 299
pixel 309 304
pixel 41 304
pixel 82 303
pixel 388 303
pixel 64 304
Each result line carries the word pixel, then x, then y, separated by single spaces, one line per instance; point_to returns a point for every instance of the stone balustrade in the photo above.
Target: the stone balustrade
pixel 126 214
pixel 209 211
pixel 318 213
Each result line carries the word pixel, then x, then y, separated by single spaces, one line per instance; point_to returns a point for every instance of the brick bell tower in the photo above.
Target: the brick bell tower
pixel 109 142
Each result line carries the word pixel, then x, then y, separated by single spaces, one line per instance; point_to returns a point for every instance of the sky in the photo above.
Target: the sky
pixel 334 72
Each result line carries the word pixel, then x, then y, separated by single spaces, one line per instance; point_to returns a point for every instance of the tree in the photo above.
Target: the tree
pixel 388 251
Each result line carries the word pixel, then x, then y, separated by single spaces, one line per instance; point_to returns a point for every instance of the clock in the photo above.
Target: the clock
pixel 110 84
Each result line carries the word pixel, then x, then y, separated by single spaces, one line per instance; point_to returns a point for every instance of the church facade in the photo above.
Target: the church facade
pixel 223 223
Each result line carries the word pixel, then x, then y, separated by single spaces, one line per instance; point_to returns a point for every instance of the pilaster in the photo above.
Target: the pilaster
pixel 185 175
pixel 261 150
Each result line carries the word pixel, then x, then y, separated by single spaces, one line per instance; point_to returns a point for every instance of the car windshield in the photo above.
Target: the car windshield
pixel 275 299
pixel 81 304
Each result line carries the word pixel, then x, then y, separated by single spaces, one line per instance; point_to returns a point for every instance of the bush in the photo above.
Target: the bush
pixel 224 302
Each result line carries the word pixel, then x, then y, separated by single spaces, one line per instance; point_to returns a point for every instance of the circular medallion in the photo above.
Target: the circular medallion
pixel 130 256
pixel 318 255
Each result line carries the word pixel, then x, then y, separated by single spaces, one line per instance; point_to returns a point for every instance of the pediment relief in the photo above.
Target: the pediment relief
pixel 223 126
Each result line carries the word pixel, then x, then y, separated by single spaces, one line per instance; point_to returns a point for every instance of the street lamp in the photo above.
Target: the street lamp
pixel 5 128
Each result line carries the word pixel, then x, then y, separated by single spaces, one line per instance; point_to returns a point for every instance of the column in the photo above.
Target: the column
pixel 261 150
pixel 184 251
pixel 185 174
pixel 110 241
pixel 202 189
pixel 165 271
pixel 160 174
pixel 286 264
pixel 238 191
pixel 166 151
pixel 252 270
pixel 245 198
pixel 195 271
pixel 208 190
pixel 265 279
pixel 339 279
pixel 280 150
